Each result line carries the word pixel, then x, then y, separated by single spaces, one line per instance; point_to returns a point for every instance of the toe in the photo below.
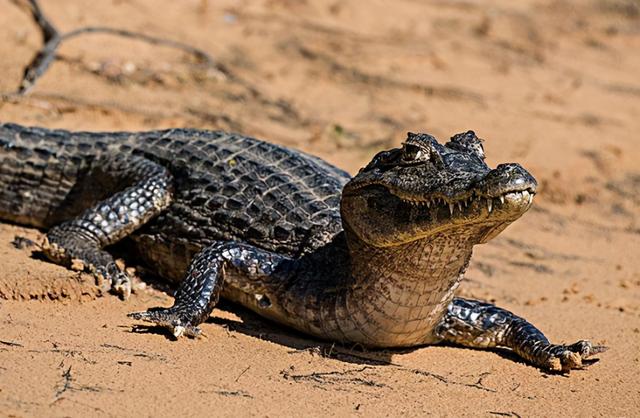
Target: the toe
pixel 586 349
pixel 177 325
pixel 192 332
pixel 570 361
pixel 152 315
pixel 121 286
pixel 141 316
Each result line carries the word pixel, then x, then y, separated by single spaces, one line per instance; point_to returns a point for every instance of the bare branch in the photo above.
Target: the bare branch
pixel 53 39
pixel 196 52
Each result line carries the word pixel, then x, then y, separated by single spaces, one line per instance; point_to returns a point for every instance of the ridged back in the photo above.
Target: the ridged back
pixel 228 187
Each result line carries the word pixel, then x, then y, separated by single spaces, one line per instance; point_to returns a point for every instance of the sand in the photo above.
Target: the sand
pixel 552 85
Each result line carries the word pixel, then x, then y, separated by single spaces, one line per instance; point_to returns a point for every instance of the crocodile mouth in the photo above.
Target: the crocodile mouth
pixel 468 204
pixel 382 218
pixel 475 213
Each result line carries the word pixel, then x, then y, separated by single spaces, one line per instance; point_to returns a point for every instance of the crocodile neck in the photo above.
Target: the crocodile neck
pixel 399 293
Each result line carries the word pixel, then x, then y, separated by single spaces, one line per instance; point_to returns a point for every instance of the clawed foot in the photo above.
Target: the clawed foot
pixel 564 358
pixel 176 322
pixel 121 285
pixel 109 277
pixel 114 280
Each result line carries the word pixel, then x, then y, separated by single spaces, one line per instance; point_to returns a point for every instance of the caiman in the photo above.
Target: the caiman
pixel 373 259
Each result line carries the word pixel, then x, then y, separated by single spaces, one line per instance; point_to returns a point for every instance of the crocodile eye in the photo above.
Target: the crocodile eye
pixel 412 152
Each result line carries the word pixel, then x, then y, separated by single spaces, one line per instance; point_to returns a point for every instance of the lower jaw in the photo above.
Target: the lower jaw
pixel 492 232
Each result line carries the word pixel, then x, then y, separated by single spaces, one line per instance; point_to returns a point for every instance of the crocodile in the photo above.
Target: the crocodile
pixel 373 259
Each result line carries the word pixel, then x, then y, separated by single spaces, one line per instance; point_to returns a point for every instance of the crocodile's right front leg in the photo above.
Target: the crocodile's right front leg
pixel 199 292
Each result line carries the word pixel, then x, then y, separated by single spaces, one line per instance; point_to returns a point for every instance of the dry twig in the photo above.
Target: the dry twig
pixel 52 40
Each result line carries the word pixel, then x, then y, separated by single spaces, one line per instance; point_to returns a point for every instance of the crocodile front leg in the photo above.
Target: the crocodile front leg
pixel 78 243
pixel 482 325
pixel 200 290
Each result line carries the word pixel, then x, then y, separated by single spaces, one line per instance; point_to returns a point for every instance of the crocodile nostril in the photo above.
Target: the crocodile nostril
pixel 263 301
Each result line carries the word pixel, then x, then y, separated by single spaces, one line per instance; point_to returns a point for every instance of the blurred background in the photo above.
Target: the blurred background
pixel 551 84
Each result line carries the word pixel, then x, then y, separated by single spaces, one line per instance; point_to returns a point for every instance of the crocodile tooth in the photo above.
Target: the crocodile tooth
pixel 451 208
pixel 428 203
pixel 530 198
pixel 460 206
pixel 489 205
pixel 502 199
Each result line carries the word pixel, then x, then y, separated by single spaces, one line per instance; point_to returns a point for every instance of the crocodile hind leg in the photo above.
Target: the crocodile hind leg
pixel 145 190
pixel 482 325
pixel 200 290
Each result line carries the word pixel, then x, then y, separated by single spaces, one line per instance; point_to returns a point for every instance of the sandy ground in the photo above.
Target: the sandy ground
pixel 551 84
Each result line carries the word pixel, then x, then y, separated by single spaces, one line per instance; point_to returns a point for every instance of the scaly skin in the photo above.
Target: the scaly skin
pixel 373 260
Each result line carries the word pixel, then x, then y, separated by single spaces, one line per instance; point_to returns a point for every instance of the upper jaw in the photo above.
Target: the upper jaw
pixel 507 184
pixel 420 206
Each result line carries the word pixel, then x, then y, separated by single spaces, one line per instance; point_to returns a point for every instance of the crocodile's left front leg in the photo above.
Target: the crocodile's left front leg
pixel 146 190
pixel 200 290
pixel 482 325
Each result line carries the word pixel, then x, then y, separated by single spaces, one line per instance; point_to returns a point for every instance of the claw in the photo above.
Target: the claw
pixel 122 286
pixel 570 361
pixel 103 284
pixel 178 331
pixel 114 280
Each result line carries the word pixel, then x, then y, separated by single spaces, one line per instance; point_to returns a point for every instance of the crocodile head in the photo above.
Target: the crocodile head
pixel 425 188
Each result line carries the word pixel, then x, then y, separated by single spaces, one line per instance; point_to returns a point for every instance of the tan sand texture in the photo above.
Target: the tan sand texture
pixel 551 84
